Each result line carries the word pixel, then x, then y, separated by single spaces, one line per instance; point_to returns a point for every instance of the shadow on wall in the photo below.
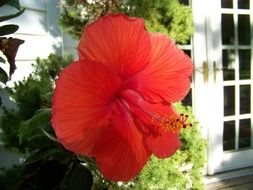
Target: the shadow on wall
pixel 61 42
pixel 52 26
pixel 38 27
pixel 8 159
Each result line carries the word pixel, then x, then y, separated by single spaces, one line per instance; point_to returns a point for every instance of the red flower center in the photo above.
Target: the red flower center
pixel 150 121
pixel 174 123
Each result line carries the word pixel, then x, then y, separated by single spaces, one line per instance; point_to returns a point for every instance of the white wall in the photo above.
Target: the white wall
pixel 69 45
pixel 38 26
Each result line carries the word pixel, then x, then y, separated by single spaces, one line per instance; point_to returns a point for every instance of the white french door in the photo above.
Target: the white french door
pixel 223 80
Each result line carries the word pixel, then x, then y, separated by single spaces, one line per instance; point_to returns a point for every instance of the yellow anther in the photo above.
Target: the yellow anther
pixel 174 123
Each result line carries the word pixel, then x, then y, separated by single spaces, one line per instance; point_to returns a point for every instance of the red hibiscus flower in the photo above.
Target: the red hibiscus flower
pixel 114 103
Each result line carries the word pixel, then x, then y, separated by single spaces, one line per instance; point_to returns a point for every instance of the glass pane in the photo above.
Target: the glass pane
pixel 228 62
pixel 227 22
pixel 187 101
pixel 229 135
pixel 229 100
pixel 184 2
pixel 188 52
pixel 245 99
pixel 227 3
pixel 244 29
pixel 243 4
pixel 244 133
pixel 244 61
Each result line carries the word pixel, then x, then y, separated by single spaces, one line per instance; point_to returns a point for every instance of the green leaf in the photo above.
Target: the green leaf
pixel 2 60
pixel 41 117
pixel 3 2
pixel 42 154
pixel 78 178
pixel 7 17
pixel 45 174
pixel 51 137
pixel 3 76
pixel 81 178
pixel 40 120
pixel 14 3
pixel 8 29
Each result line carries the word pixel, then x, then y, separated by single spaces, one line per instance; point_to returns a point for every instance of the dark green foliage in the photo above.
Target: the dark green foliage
pixel 51 67
pixel 29 100
pixel 41 175
pixel 8 178
pixel 10 127
pixel 8 29
pixel 35 91
pixel 76 14
pixel 77 178
pixel 3 75
pixel 169 17
pixel 9 46
pixel 3 2
pixel 22 128
pixel 166 16
pixel 27 130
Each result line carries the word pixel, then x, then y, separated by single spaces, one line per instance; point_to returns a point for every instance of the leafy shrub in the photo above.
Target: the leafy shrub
pixel 167 16
pixel 27 130
pixel 30 133
pixel 32 96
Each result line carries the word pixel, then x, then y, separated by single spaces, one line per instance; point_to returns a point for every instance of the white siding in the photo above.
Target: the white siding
pixel 38 26
pixel 70 45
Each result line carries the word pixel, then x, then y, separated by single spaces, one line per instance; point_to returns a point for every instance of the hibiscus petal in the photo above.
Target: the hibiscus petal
pixel 165 145
pixel 118 41
pixel 120 151
pixel 162 143
pixel 82 104
pixel 150 114
pixel 167 76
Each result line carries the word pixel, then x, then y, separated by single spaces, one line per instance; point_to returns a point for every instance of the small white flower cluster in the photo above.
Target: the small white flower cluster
pixel 125 184
pixel 63 2
pixel 83 12
pixel 91 1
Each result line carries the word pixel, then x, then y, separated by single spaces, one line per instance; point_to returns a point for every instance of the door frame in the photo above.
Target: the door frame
pixel 208 87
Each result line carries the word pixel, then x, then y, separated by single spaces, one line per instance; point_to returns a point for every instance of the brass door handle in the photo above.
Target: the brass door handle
pixel 215 70
pixel 205 71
